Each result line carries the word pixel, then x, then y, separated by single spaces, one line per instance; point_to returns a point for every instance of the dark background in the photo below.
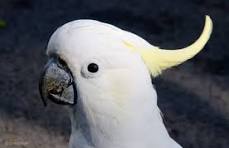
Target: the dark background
pixel 193 97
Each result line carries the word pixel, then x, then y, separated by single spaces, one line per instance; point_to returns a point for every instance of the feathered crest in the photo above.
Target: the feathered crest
pixel 158 59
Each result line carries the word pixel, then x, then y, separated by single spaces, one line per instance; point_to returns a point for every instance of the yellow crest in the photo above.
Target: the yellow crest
pixel 158 59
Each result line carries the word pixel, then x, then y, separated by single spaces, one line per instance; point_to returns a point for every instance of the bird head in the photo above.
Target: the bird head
pixel 106 71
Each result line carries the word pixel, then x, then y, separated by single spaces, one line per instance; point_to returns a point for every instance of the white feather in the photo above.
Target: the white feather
pixel 117 107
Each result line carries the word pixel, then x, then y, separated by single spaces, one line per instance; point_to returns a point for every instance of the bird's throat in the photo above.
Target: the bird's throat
pixel 136 129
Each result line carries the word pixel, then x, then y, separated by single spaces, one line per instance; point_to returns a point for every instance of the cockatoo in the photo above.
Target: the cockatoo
pixel 104 74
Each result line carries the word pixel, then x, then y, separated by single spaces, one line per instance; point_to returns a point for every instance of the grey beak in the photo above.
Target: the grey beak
pixel 57 84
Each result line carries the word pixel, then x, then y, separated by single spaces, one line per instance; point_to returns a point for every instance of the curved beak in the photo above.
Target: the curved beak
pixel 57 84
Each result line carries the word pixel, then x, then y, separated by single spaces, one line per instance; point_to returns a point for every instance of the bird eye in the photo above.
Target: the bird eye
pixel 93 67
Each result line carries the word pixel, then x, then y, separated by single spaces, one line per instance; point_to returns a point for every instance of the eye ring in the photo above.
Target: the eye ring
pixel 93 67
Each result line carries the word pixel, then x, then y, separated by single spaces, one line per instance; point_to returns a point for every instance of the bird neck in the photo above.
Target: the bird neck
pixel 139 126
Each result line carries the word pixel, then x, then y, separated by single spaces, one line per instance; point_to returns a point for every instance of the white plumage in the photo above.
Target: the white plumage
pixel 117 106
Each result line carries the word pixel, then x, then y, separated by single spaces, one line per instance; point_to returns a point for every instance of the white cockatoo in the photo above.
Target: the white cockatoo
pixel 104 74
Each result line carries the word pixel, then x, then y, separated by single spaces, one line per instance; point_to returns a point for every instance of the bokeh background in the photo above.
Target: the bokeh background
pixel 193 97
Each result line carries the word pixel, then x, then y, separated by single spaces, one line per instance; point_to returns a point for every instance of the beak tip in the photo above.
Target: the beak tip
pixel 45 104
pixel 41 93
pixel 43 100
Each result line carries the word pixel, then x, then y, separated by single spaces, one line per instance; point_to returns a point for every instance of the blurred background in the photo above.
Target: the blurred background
pixel 194 97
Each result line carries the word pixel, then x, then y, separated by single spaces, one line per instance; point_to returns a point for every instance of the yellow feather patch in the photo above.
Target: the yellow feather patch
pixel 160 59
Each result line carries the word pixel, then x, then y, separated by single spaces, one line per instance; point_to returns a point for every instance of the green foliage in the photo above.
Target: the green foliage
pixel 2 24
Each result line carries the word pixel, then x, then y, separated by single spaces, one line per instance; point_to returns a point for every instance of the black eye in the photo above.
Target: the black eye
pixel 92 67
